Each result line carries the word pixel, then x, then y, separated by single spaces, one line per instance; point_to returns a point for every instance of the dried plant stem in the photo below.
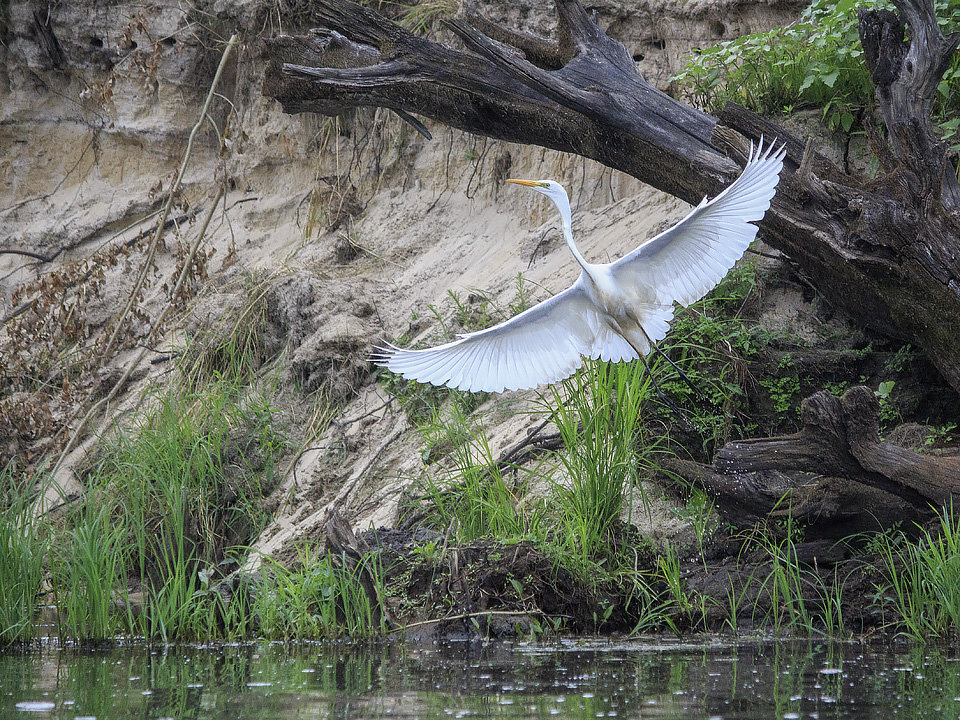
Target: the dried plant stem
pixel 185 270
pixel 148 261
pixel 477 614
pixel 135 362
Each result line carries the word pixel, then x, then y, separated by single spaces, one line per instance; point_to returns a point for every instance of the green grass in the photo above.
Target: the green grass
pixel 800 601
pixel 22 554
pixel 170 499
pixel 700 512
pixel 791 599
pixel 814 63
pixel 88 572
pixel 597 412
pixel 680 600
pixel 922 585
pixel 569 504
pixel 234 348
pixel 473 490
pixel 316 599
pixel 784 586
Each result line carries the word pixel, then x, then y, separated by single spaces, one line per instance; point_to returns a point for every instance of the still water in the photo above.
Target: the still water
pixel 588 679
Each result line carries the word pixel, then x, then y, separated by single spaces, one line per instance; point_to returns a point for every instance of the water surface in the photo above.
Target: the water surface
pixel 706 678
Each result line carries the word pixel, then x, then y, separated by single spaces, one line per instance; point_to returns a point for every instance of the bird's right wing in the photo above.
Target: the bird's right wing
pixel 684 263
pixel 541 345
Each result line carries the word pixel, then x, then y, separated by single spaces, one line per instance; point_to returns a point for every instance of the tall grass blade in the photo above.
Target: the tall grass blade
pixel 22 551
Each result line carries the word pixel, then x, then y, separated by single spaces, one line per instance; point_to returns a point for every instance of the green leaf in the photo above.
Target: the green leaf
pixel 846 121
pixel 885 388
pixel 830 78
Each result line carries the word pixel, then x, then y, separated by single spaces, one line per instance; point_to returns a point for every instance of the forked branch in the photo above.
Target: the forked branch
pixel 835 471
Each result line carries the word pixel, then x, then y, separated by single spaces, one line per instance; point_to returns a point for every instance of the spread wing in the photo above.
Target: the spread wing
pixel 684 263
pixel 543 344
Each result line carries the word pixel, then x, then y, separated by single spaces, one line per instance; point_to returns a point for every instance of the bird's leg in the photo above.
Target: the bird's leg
pixel 656 386
pixel 683 375
pixel 663 396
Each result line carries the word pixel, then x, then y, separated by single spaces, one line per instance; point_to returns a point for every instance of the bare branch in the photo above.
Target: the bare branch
pixel 539 50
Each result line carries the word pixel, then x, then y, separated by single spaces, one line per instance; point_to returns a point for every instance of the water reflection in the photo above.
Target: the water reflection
pixel 569 680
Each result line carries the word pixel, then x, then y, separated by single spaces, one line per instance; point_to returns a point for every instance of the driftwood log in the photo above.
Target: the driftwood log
pixel 836 474
pixel 884 249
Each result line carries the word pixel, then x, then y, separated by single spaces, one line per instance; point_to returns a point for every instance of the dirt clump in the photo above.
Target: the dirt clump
pixel 325 326
pixel 491 588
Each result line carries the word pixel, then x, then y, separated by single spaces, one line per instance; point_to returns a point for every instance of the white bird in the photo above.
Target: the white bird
pixel 614 311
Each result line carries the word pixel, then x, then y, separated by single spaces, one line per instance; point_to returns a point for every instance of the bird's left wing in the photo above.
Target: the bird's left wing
pixel 541 345
pixel 684 263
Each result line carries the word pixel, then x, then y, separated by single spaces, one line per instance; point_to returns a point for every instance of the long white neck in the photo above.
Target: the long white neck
pixel 563 205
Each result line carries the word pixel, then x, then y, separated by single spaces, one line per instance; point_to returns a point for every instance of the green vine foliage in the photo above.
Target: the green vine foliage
pixel 814 63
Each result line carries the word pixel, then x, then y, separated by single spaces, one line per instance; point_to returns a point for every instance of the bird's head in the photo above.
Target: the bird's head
pixel 551 189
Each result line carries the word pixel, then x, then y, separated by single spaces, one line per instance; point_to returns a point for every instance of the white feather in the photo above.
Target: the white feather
pixel 541 345
pixel 687 261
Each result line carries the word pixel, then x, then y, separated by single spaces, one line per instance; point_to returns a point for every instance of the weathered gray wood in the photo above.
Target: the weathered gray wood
pixel 832 507
pixel 492 89
pixel 905 75
pixel 832 472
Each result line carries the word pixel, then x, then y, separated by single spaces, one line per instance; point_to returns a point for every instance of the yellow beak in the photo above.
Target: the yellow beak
pixel 525 183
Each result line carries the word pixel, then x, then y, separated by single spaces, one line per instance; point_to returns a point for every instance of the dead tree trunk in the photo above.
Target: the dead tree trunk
pixel 884 249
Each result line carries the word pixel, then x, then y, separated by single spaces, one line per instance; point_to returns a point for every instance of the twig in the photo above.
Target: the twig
pixel 533 438
pixel 27 304
pixel 764 254
pixel 414 123
pixel 27 253
pixel 148 261
pixel 166 357
pixel 63 179
pixel 184 271
pixel 298 458
pixel 479 613
pixel 241 201
pixel 350 421
pixel 806 164
pixel 348 487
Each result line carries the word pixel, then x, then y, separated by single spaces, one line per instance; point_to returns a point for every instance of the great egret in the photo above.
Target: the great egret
pixel 614 311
